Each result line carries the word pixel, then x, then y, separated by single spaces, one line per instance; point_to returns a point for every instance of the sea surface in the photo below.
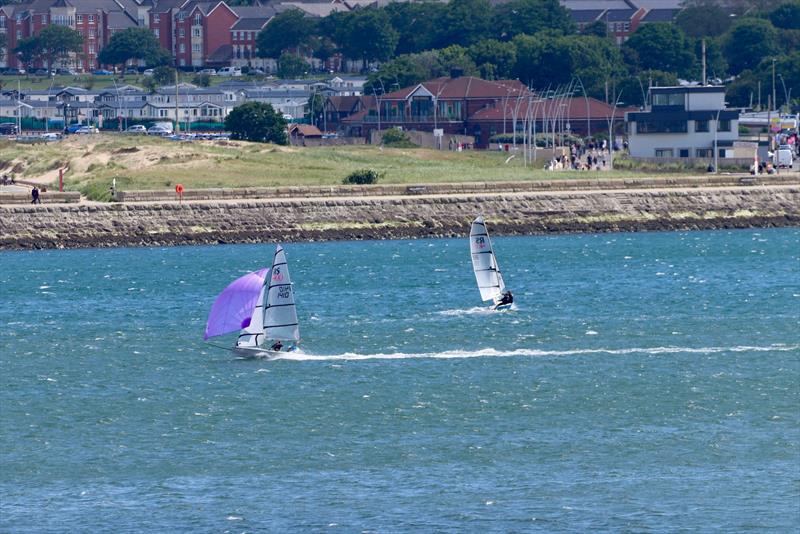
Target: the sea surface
pixel 642 383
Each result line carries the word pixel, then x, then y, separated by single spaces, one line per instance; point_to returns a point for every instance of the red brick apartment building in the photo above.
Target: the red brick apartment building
pixel 193 32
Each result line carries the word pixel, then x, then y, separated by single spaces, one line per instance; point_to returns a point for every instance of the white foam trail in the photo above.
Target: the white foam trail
pixel 298 356
pixel 477 310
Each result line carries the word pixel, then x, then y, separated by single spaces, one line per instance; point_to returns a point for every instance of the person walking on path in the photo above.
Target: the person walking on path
pixel 35 196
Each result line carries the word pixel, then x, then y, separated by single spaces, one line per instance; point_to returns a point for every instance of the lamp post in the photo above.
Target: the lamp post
pixel 785 94
pixel 611 133
pixel 716 151
pixel 588 115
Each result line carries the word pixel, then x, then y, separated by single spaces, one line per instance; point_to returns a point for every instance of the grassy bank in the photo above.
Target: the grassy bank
pixel 140 162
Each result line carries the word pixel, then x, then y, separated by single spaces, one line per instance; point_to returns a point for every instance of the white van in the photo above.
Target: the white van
pixel 785 157
pixel 229 71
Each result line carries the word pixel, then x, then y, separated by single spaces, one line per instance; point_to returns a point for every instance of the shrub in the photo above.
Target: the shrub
pixel 397 138
pixel 362 176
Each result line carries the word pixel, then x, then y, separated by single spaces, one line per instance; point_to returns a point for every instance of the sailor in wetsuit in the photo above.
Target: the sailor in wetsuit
pixel 277 346
pixel 507 298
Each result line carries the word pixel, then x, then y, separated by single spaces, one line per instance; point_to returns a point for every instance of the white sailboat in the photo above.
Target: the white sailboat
pixel 266 320
pixel 484 264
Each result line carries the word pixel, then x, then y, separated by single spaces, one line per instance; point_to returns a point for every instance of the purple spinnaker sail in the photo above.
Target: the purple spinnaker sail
pixel 234 306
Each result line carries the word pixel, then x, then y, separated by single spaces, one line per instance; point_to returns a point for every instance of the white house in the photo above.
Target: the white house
pixel 683 123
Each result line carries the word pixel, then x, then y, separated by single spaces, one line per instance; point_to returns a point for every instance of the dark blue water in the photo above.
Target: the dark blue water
pixel 643 383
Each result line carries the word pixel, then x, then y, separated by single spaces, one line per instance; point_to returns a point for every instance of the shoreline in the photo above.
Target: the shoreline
pixel 64 226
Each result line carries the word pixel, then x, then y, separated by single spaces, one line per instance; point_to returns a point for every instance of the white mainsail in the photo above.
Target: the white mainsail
pixel 280 313
pixel 484 263
pixel 253 334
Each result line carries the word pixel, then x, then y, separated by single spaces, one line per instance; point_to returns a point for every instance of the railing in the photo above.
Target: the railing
pixel 412 118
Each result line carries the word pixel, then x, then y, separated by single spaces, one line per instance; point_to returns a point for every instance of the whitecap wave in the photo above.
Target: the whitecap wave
pixel 299 356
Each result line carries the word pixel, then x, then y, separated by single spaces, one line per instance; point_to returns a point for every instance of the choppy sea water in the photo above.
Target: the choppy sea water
pixel 642 383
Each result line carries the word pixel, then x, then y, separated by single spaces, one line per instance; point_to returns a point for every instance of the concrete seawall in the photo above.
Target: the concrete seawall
pixel 385 217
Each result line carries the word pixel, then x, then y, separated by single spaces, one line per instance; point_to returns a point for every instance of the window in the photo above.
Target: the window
pixel 662 126
pixel 182 48
pixel 683 153
pixel 156 18
pixel 19 35
pixel 725 125
pixel 44 19
pixel 703 153
pixel 2 21
pixel 668 99
pixel 198 20
pixel 196 47
pixel 91 19
pixel 92 33
pixel 700 126
pixel 79 19
pixel 156 32
pixel 181 16
pixel 196 32
pixel 91 49
pixel 627 26
pixel 181 32
pixel 663 152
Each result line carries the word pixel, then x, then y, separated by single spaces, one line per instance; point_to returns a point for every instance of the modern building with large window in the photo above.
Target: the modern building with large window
pixel 683 122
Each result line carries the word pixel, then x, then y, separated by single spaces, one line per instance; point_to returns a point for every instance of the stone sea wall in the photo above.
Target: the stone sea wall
pixel 287 220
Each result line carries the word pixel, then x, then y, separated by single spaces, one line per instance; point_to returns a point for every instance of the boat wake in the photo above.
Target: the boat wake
pixel 299 356
pixel 477 310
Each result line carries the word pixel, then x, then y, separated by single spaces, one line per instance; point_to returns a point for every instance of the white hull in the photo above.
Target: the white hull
pixel 258 352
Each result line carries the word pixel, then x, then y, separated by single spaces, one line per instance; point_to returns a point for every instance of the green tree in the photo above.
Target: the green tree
pixel 316 108
pixel 548 60
pixel 163 75
pixel 3 45
pixel 597 28
pixel 465 22
pixel 58 42
pixel 786 16
pixel 367 34
pixel 705 19
pixel 291 66
pixel 495 59
pixel 748 42
pixel 416 24
pixel 256 121
pixel 662 47
pixel 289 29
pixel 519 17
pixel 202 80
pixel 132 43
pixel 29 50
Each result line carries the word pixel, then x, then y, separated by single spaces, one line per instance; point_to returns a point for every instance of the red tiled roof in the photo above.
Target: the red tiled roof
pixel 575 110
pixel 306 130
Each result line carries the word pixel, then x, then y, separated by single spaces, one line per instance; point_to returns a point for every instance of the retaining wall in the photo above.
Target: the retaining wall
pixel 286 220
pixel 451 188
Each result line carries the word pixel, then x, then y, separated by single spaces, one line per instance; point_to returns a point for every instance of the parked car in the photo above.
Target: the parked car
pixel 158 130
pixel 8 128
pixel 255 72
pixel 66 72
pixel 42 72
pixel 73 128
pixel 229 71
pixel 102 72
pixel 131 70
pixel 87 130
pixel 51 136
pixel 148 72
pixel 210 72
pixel 137 129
